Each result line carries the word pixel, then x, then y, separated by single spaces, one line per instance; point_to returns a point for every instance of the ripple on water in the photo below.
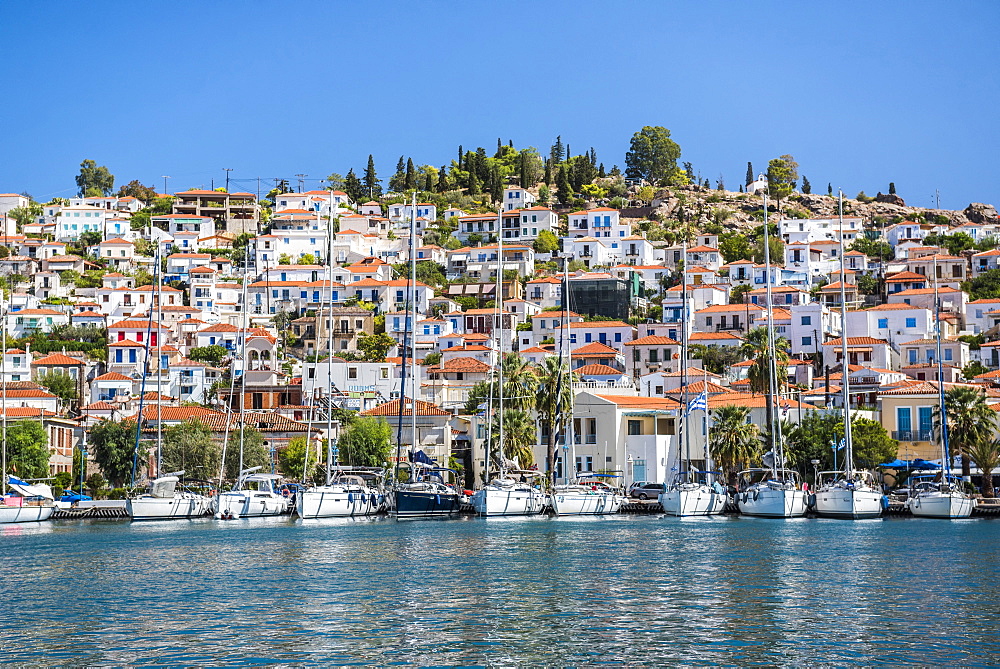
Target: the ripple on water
pixel 640 590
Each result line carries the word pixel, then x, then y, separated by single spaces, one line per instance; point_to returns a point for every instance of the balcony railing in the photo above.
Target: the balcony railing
pixel 913 435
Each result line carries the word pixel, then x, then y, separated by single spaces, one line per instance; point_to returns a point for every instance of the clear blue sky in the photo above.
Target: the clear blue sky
pixel 861 93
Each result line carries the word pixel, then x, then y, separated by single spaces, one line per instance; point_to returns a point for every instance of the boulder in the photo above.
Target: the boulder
pixel 890 198
pixel 977 212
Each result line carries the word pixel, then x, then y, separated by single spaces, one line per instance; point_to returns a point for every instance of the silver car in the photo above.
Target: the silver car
pixel 646 490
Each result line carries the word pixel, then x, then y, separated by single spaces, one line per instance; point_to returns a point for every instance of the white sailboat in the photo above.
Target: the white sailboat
pixel 353 491
pixel 164 501
pixel 771 491
pixel 584 494
pixel 253 495
pixel 511 493
pixel 940 496
pixel 849 493
pixel 690 493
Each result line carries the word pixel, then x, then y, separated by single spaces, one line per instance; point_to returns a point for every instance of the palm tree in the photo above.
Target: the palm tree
pixel 734 441
pixel 554 396
pixel 971 421
pixel 520 383
pixel 755 347
pixel 986 454
pixel 518 436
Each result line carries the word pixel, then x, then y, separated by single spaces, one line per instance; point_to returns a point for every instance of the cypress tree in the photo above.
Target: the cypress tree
pixel 568 154
pixel 600 171
pixel 593 157
pixel 411 175
pixel 806 186
pixel 547 177
pixel 353 187
pixel 522 166
pixel 499 148
pixel 829 189
pixel 749 173
pixel 398 181
pixel 442 184
pixel 371 182
pixel 496 183
pixel 429 183
pixel 474 187
pixel 563 190
pixel 460 154
pixel 510 143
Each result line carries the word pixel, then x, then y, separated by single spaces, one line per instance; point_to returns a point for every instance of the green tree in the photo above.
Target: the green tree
pixel 955 243
pixel 61 384
pixel 555 394
pixel 374 347
pixel 974 369
pixel 27 449
pixel 755 347
pixel 546 242
pixel 518 436
pixel 397 182
pixel 255 453
pixel 373 187
pixel 334 181
pixel 211 355
pixel 971 421
pixel 366 442
pixel 872 444
pixel 411 175
pixel 292 458
pixel 734 441
pixel 873 248
pixel 984 286
pixel 136 189
pixel 892 188
pixel 749 178
pixel 558 151
pixel 94 180
pixel 113 448
pixel 354 188
pixel 26 215
pixel 986 455
pixel 776 247
pixel 738 295
pixel 782 173
pixel 867 284
pixel 716 359
pixel 564 192
pixel 806 186
pixel 734 246
pixel 190 447
pixel 652 155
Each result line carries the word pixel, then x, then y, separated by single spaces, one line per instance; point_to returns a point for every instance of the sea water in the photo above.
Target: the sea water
pixel 646 590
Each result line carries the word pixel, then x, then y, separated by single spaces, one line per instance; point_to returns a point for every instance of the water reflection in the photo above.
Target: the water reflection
pixel 641 590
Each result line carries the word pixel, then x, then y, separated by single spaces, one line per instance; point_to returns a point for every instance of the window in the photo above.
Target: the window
pixel 708 321
pixel 926 417
pixel 807 341
pixel 911 322
pixel 635 427
pixel 903 419
pixel 352 372
pixel 947 355
pixel 807 320
pixel 883 323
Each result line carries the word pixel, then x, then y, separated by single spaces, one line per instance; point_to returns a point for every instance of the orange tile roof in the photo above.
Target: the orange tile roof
pixel 391 408
pixel 57 360
pixel 653 340
pixel 595 348
pixel 112 376
pixel 856 341
pixel 598 370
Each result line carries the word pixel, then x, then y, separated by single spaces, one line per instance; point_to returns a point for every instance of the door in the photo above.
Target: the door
pixel 638 470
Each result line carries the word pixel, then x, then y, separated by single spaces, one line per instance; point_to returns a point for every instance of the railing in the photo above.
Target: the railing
pixel 729 328
pixel 913 435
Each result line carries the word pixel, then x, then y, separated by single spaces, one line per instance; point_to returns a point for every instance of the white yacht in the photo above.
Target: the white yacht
pixel 849 493
pixel 693 496
pixel 931 497
pixel 588 495
pixel 164 501
pixel 771 493
pixel 31 503
pixel 509 496
pixel 253 495
pixel 353 491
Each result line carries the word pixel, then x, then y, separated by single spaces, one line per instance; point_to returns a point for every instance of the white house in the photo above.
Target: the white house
pixel 515 197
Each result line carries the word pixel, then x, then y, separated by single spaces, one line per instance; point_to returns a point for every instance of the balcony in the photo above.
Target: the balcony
pixel 913 435
pixel 722 327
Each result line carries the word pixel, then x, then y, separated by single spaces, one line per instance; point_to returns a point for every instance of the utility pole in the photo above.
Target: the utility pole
pixel 227 170
pixel 165 177
pixel 302 178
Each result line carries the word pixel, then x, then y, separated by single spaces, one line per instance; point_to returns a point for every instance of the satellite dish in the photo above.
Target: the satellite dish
pixel 768 460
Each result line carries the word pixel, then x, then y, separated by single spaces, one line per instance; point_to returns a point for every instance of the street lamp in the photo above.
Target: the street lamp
pixel 815 464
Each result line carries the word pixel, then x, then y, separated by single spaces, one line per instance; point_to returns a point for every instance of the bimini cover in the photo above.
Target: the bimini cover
pixel 25 489
pixel 163 486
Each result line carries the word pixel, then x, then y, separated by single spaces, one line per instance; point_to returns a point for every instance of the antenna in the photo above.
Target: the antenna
pixel 165 177
pixel 301 178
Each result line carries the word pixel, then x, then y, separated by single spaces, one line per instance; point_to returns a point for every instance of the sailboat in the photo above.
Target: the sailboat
pixel 511 493
pixel 850 493
pixel 690 493
pixel 771 491
pixel 939 496
pixel 31 502
pixel 162 500
pixel 585 493
pixel 424 494
pixel 350 491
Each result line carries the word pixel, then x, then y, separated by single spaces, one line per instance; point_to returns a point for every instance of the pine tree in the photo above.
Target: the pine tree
pixel 600 171
pixel 496 183
pixel 615 171
pixel 411 175
pixel 806 186
pixel 749 173
pixel 690 173
pixel 442 184
pixel 371 182
pixel 556 153
pixel 563 191
pixel 461 153
pixel 398 181
pixel 892 188
pixel 547 177
pixel 499 148
pixel 353 187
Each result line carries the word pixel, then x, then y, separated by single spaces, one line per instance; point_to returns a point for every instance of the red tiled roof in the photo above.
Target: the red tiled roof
pixel 391 408
pixel 598 370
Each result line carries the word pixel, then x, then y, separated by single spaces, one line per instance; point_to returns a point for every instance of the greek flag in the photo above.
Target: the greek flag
pixel 699 403
pixel 842 444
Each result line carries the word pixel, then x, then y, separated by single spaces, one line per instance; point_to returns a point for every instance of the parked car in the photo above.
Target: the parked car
pixel 645 490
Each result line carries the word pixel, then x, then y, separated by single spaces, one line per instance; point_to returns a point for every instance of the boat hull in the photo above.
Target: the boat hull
pixel 941 505
pixel 146 507
pixel 337 501
pixel 583 503
pixel 768 502
pixel 425 504
pixel 700 501
pixel 508 502
pixel 847 503
pixel 249 504
pixel 29 513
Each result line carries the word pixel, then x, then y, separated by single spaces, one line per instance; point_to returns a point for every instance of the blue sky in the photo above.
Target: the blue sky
pixel 860 93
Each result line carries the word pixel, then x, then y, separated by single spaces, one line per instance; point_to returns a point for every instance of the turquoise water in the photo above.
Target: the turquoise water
pixel 643 590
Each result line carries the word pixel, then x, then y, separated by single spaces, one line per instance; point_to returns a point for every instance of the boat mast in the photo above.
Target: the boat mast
pixel 329 343
pixel 772 364
pixel 242 343
pixel 413 322
pixel 568 430
pixel 3 400
pixel 499 327
pixel 845 371
pixel 145 375
pixel 686 460
pixel 159 362
pixel 945 451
